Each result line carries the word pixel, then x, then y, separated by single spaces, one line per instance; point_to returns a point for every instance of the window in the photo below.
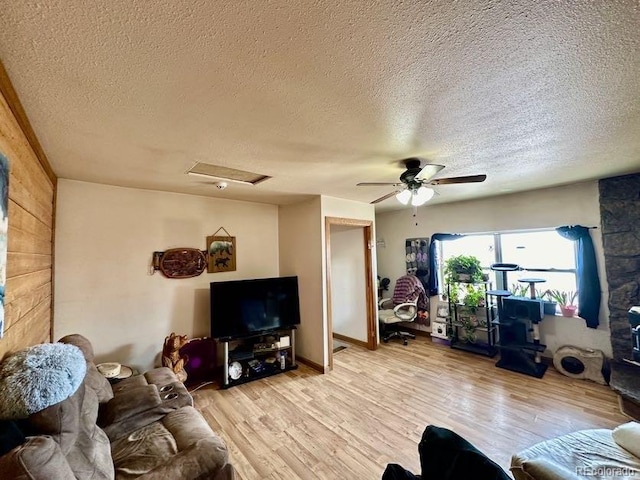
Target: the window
pixel 542 254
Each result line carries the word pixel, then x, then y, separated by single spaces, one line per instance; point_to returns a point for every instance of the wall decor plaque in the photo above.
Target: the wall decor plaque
pixel 180 262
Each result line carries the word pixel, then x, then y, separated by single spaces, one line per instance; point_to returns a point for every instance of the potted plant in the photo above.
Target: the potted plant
pixel 469 327
pixel 566 301
pixel 519 289
pixel 549 304
pixel 463 268
pixel 473 298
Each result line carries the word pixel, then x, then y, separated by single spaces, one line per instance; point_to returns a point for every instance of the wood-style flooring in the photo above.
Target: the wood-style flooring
pixel 373 407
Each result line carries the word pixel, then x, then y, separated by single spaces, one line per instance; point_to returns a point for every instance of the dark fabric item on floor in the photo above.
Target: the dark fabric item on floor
pixel 396 472
pixel 445 455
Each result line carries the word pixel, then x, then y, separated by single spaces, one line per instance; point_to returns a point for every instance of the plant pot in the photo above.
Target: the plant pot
pixel 568 310
pixel 464 277
pixel 550 308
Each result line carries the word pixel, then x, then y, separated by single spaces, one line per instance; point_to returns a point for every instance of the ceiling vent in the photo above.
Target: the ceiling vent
pixel 225 173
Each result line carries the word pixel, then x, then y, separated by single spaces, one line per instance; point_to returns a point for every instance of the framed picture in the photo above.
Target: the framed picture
pixel 221 253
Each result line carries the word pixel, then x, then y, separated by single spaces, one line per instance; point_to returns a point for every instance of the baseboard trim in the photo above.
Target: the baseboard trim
pixel 354 341
pixel 313 365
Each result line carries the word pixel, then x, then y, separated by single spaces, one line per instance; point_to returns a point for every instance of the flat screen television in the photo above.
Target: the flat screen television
pixel 246 307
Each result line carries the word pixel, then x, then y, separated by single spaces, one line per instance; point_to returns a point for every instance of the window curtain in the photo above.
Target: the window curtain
pixel 434 260
pixel 589 292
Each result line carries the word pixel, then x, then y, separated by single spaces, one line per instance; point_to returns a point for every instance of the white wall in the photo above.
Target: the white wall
pixel 105 237
pixel 339 208
pixel 348 282
pixel 569 205
pixel 301 246
pixel 303 253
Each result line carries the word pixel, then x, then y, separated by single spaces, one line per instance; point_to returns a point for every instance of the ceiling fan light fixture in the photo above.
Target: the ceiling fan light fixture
pixel 421 196
pixel 404 196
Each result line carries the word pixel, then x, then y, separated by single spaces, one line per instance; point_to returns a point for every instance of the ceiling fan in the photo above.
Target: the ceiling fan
pixel 413 182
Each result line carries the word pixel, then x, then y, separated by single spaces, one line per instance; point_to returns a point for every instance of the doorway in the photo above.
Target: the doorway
pixel 351 312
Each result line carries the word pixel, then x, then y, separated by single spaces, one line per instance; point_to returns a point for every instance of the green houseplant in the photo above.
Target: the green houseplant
pixel 549 303
pixel 463 268
pixel 523 290
pixel 519 289
pixel 473 298
pixel 566 301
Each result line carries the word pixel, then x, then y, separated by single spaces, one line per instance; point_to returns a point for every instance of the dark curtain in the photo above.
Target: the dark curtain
pixel 589 292
pixel 433 260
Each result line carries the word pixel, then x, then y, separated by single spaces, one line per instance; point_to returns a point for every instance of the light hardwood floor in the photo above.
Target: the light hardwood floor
pixel 373 407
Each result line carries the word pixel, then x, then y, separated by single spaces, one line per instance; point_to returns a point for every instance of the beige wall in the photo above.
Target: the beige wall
pixel 29 239
pixel 105 237
pixel 569 205
pixel 300 248
pixel 339 208
pixel 303 253
pixel 348 283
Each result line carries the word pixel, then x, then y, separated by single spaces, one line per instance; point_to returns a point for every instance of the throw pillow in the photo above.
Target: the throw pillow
pixel 627 436
pixel 38 377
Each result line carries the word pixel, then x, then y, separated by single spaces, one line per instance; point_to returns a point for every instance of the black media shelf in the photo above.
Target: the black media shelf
pixel 258 376
pixel 258 356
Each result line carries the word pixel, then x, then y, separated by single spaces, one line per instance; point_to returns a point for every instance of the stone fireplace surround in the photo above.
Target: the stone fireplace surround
pixel 620 218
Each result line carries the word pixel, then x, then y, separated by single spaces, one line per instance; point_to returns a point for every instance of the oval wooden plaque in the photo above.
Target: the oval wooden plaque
pixel 182 262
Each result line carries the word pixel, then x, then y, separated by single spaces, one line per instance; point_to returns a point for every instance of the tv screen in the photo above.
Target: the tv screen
pixel 244 307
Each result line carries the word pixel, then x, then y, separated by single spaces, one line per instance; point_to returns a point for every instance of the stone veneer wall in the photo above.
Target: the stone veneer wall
pixel 620 217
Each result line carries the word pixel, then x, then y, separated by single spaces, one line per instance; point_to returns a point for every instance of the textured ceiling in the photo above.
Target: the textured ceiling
pixel 321 95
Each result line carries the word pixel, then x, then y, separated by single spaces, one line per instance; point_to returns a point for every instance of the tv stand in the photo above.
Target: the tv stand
pixel 257 356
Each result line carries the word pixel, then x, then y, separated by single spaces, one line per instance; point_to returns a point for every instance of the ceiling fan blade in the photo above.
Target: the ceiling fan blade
pixel 428 171
pixel 381 199
pixel 465 179
pixel 378 184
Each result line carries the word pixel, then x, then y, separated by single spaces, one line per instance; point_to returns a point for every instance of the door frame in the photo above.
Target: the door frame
pixel 367 228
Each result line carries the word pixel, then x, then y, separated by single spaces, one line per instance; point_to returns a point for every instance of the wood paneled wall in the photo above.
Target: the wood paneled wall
pixel 29 288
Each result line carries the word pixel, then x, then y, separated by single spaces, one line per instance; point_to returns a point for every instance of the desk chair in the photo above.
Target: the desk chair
pixel 390 316
pixel 409 297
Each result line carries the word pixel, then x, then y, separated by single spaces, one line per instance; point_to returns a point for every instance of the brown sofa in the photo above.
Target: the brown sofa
pixel 143 427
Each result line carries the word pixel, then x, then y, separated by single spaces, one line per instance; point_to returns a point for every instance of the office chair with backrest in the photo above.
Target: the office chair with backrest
pixel 408 297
